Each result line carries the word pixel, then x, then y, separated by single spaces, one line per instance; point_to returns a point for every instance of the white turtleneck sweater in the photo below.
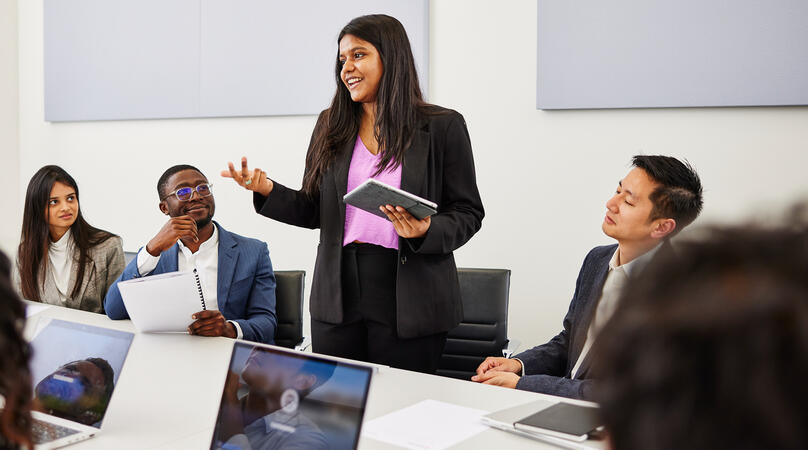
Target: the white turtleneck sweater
pixel 60 263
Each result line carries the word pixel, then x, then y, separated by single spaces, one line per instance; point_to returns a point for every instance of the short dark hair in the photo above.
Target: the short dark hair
pixel 162 183
pixel 679 195
pixel 709 349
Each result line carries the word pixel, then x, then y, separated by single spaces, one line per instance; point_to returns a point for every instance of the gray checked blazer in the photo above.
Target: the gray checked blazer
pixel 105 264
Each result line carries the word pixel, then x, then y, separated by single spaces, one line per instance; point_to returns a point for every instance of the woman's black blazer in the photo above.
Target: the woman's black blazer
pixel 438 166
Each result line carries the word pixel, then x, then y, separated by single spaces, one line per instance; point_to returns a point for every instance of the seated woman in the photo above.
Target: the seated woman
pixel 15 378
pixel 62 259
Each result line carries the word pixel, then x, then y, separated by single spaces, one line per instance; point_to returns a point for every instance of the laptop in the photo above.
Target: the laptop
pixel 74 368
pixel 279 398
pixel 562 424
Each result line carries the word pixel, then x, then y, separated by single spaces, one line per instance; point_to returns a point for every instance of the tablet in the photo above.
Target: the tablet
pixel 372 194
pixel 565 420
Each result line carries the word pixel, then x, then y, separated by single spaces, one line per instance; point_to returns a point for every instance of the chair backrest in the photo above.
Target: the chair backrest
pixel 484 329
pixel 128 256
pixel 289 307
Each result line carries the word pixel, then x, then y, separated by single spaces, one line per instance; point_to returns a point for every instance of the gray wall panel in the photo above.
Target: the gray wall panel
pixel 640 53
pixel 273 58
pixel 113 59
pixel 142 59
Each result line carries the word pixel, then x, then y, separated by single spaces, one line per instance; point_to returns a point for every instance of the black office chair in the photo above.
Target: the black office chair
pixel 289 309
pixel 484 329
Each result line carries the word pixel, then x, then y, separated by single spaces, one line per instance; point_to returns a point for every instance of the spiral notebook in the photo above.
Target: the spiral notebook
pixel 164 302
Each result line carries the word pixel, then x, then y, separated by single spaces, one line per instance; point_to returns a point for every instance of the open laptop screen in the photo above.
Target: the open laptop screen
pixel 75 367
pixel 275 398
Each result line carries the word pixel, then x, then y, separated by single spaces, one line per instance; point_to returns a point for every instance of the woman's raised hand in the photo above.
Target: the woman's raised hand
pixel 253 180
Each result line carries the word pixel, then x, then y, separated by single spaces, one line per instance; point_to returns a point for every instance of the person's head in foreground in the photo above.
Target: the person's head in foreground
pixel 15 377
pixel 710 349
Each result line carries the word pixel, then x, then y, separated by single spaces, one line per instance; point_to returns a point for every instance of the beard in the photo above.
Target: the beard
pixel 203 221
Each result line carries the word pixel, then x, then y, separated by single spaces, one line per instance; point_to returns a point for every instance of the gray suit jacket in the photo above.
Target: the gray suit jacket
pixel 105 264
pixel 245 287
pixel 548 366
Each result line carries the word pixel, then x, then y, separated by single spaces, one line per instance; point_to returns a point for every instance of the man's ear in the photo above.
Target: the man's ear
pixel 662 228
pixel 163 207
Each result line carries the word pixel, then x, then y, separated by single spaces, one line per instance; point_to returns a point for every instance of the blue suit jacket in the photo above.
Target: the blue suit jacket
pixel 548 366
pixel 245 287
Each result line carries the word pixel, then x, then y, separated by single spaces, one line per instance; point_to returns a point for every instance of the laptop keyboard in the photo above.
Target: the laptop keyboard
pixel 47 432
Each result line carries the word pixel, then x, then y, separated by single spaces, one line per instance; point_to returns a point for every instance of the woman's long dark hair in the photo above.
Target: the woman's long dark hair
pixel 33 250
pixel 399 102
pixel 15 377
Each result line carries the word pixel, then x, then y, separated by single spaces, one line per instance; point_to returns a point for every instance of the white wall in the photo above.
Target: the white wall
pixel 544 176
pixel 9 138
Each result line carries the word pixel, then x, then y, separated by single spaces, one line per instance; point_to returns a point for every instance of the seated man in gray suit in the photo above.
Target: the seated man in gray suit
pixel 659 196
pixel 235 272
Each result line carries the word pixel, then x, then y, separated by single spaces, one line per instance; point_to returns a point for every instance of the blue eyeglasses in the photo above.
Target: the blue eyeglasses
pixel 185 194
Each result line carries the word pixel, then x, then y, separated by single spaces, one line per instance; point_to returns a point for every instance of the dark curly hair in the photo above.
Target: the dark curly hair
pixel 709 348
pixel 15 377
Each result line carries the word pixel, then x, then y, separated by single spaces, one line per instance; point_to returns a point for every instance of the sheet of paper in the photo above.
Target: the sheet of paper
pixel 429 424
pixel 34 308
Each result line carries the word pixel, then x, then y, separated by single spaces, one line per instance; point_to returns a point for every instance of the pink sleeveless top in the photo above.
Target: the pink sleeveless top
pixel 361 225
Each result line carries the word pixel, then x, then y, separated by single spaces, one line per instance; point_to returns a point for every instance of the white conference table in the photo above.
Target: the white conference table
pixel 168 392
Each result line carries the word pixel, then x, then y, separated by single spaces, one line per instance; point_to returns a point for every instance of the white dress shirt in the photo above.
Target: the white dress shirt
pixel 616 280
pixel 60 263
pixel 206 263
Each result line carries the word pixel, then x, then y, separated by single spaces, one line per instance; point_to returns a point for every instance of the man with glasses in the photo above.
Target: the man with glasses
pixel 235 272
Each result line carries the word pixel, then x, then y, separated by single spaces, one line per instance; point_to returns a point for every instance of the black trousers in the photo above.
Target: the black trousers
pixel 368 330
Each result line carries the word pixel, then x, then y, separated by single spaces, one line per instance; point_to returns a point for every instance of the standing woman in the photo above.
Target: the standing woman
pixel 63 260
pixel 384 291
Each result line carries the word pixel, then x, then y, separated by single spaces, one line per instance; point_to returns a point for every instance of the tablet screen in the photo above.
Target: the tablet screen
pixel 565 418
